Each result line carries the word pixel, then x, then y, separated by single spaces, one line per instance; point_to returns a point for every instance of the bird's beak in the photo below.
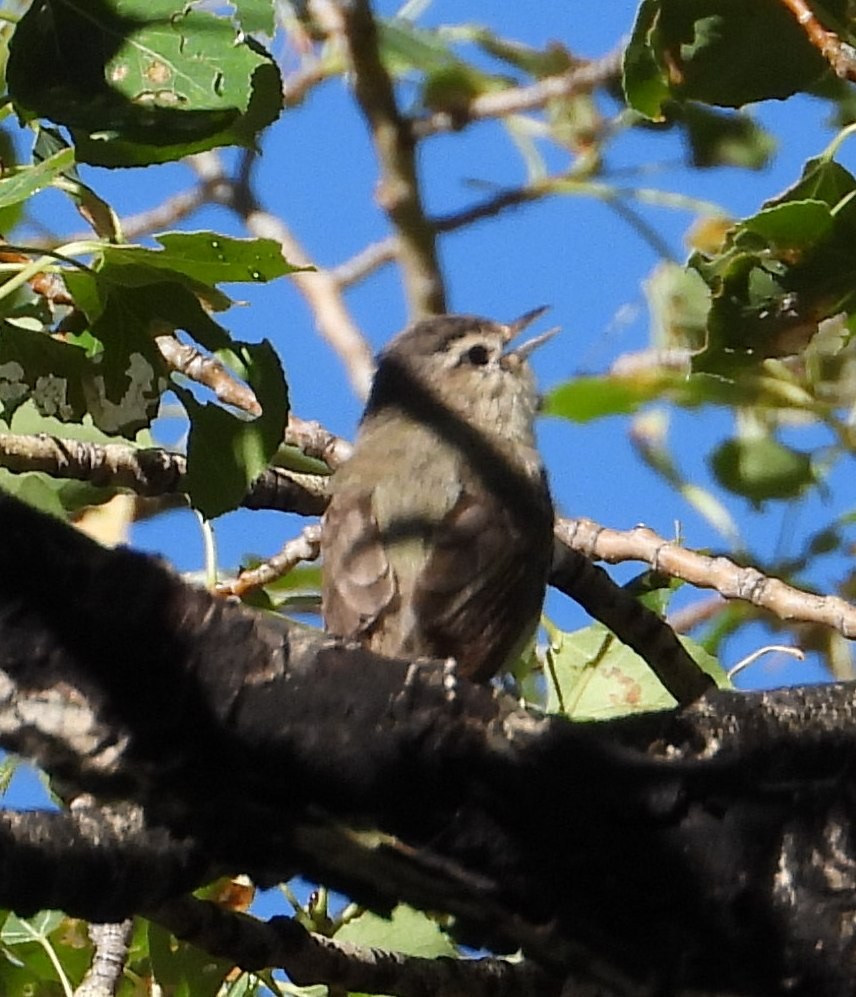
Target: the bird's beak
pixel 524 349
pixel 518 325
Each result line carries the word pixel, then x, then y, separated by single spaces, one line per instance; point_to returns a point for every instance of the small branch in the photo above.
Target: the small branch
pixel 208 166
pixel 166 214
pixel 365 262
pixel 634 624
pixel 316 441
pixel 104 976
pixel 398 187
pixel 580 79
pixel 385 251
pixel 684 620
pixel 209 371
pixel 304 547
pixel 840 56
pixel 309 958
pixel 729 579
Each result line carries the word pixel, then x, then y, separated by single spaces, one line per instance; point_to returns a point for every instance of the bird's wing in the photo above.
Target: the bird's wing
pixel 358 582
pixel 479 596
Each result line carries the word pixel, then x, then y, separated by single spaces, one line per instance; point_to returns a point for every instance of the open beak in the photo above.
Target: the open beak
pixel 518 325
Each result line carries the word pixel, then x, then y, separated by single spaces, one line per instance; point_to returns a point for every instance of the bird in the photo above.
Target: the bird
pixel 438 537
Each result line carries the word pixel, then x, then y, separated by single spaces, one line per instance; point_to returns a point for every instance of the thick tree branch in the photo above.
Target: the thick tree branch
pixel 638 850
pixel 101 864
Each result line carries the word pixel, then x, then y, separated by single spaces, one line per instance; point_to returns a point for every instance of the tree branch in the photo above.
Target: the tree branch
pixel 104 976
pixel 840 56
pixel 208 371
pixel 633 623
pixel 719 573
pixel 310 958
pixel 398 187
pixel 629 853
pixel 322 293
pixel 304 547
pixel 150 471
pixel 515 100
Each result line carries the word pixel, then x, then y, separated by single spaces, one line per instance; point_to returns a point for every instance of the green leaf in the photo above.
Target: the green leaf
pixel 96 211
pixel 599 678
pixel 8 767
pixel 141 81
pixel 781 272
pixel 226 452
pixel 208 257
pixel 718 139
pixel 17 930
pixel 255 16
pixel 553 59
pixel 28 180
pixel 183 969
pixel 405 930
pixel 646 87
pixel 762 468
pixel 678 50
pixel 129 375
pixel 588 398
pixel 678 305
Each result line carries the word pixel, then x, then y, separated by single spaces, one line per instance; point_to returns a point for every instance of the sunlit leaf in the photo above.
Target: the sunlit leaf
pixel 405 930
pixel 141 81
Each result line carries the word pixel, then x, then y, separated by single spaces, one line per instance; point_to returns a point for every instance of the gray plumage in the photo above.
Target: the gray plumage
pixel 438 537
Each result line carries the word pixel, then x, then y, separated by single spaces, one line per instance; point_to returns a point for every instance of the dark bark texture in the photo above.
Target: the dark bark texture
pixel 710 848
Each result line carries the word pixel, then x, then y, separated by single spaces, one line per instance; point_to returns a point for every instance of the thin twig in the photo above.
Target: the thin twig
pixel 315 441
pixel 684 620
pixel 398 190
pixel 501 104
pixel 385 251
pixel 209 371
pixel 166 214
pixel 729 579
pixel 840 56
pixel 306 546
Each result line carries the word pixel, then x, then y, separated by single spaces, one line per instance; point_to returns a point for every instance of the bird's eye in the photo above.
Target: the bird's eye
pixel 478 355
